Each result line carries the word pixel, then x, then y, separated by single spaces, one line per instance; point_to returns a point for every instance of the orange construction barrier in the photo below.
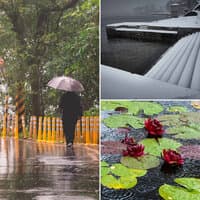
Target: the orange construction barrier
pixel 23 126
pixel 87 130
pixel 44 138
pixel 49 129
pixel 96 131
pixel 61 136
pixel 39 136
pixel 16 127
pixel 34 121
pixel 31 127
pixel 4 125
pixel 57 129
pixel 53 129
pixel 13 125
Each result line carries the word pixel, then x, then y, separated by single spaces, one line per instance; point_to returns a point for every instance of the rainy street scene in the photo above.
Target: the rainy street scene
pixel 49 100
pixel 150 49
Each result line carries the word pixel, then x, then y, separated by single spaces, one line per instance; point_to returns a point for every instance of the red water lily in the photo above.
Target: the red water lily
pixel 172 157
pixel 154 127
pixel 135 150
pixel 128 140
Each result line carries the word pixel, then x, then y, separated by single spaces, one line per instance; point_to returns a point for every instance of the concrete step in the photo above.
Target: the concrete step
pixel 180 64
pixel 118 84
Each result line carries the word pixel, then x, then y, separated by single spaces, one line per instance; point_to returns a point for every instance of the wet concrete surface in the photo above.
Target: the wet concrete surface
pixel 42 171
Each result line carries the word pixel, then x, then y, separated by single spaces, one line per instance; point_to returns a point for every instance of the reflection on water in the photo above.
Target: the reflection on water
pixel 46 171
pixel 129 55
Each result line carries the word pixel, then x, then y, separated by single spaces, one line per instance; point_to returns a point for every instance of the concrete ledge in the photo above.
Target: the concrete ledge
pixel 118 84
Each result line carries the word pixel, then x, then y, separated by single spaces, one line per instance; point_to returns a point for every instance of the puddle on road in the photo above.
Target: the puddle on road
pixel 46 171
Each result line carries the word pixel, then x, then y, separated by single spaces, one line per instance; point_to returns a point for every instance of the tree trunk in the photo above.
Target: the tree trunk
pixel 36 93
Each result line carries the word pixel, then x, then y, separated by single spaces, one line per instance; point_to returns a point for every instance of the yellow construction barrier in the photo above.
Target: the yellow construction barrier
pixel 34 121
pixel 23 126
pixel 16 127
pixel 44 134
pixel 50 129
pixel 39 136
pixel 53 130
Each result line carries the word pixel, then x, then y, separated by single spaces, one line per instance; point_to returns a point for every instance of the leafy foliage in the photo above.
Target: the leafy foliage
pixel 155 148
pixel 116 121
pixel 144 162
pixel 191 131
pixel 118 176
pixel 189 191
pixel 134 107
pixel 43 39
pixel 177 109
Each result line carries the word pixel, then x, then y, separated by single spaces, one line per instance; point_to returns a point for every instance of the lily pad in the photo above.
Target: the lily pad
pixel 134 107
pixel 120 170
pixel 104 164
pixel 190 191
pixel 105 171
pixel 116 121
pixel 169 120
pixel 143 162
pixel 192 184
pixel 118 183
pixel 191 131
pixel 180 119
pixel 155 148
pixel 177 109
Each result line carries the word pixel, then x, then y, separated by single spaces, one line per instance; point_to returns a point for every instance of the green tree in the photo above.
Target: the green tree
pixel 42 39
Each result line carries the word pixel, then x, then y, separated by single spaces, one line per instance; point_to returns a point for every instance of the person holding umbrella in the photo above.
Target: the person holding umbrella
pixel 70 104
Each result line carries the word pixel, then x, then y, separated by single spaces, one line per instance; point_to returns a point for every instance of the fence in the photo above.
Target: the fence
pixel 50 129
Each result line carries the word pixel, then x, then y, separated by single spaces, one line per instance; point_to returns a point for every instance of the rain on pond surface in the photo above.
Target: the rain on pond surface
pixel 40 171
pixel 147 186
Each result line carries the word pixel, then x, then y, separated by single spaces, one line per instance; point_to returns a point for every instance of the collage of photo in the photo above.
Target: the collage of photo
pixel 100 100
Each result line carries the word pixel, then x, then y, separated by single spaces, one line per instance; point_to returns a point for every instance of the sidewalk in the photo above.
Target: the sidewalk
pixel 43 171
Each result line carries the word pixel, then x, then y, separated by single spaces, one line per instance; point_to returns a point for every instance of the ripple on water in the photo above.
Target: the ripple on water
pixel 109 194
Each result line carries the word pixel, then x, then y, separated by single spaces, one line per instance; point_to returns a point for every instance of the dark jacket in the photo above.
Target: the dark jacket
pixel 70 105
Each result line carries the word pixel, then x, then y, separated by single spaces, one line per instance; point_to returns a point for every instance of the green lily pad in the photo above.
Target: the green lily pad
pixel 118 183
pixel 180 119
pixel 143 162
pixel 193 117
pixel 116 121
pixel 120 170
pixel 155 148
pixel 191 131
pixel 134 107
pixel 192 184
pixel 104 164
pixel 105 171
pixel 169 120
pixel 177 109
pixel 190 191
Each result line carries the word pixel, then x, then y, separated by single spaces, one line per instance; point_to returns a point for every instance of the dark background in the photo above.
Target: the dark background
pixel 130 55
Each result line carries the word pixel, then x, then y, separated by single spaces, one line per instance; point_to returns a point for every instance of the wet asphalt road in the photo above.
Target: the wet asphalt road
pixel 42 171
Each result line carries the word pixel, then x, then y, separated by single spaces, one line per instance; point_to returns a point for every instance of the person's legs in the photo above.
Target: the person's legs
pixel 69 130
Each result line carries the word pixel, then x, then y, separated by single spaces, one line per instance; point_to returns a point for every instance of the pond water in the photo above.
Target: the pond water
pixel 130 55
pixel 148 185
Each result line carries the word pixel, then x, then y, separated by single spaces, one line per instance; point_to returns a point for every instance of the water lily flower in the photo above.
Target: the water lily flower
pixel 135 151
pixel 128 140
pixel 154 127
pixel 172 157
